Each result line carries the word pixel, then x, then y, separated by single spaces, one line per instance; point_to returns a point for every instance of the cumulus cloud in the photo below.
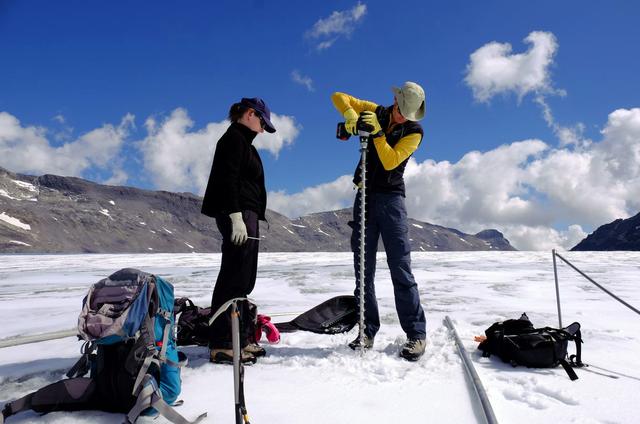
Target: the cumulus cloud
pixel 286 132
pixel 526 189
pixel 176 158
pixel 544 238
pixel 325 32
pixel 494 69
pixel 302 80
pixel 27 149
pixel 620 149
pixel 330 196
pixel 118 177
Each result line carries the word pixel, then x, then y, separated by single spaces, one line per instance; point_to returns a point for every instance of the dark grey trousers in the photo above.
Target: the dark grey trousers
pixel 386 216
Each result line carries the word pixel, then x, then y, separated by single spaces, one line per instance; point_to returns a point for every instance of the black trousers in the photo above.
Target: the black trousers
pixel 237 278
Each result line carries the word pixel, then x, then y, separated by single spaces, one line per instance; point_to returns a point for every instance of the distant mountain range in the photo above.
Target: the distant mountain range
pixel 53 214
pixel 621 234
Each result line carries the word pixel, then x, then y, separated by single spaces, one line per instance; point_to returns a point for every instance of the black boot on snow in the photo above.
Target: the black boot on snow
pixel 368 343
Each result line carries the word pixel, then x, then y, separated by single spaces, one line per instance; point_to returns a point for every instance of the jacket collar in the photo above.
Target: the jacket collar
pixel 247 132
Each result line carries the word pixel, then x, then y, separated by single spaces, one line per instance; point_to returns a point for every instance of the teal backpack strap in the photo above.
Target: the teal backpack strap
pixel 147 334
pixel 167 332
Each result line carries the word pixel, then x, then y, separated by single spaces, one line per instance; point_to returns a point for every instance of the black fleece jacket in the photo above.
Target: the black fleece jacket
pixel 236 181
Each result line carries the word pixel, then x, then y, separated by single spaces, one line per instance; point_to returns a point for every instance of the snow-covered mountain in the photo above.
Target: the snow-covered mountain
pixel 53 214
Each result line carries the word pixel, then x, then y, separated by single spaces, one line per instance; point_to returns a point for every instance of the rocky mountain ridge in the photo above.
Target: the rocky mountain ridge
pixel 54 214
pixel 621 234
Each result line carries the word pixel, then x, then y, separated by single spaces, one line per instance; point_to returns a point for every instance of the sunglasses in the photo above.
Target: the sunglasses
pixel 263 124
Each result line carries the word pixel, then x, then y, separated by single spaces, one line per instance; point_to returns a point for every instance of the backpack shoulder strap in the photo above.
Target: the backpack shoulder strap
pixel 576 360
pixel 567 368
pixel 83 365
pixel 149 396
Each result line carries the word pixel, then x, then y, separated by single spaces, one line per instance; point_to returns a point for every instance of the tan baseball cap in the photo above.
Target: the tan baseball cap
pixel 411 100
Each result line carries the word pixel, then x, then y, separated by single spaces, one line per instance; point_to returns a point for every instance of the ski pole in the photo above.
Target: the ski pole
pixel 555 275
pixel 238 368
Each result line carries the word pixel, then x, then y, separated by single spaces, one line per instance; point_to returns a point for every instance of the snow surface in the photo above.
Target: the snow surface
pixel 322 232
pixel 310 378
pixel 26 185
pixel 4 193
pixel 28 195
pixel 21 243
pixel 14 221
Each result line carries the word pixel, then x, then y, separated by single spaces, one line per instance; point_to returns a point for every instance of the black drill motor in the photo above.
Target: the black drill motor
pixel 364 130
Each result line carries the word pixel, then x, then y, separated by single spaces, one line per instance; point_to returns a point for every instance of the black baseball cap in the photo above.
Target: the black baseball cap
pixel 257 104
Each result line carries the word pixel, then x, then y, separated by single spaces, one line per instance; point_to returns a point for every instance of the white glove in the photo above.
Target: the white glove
pixel 238 229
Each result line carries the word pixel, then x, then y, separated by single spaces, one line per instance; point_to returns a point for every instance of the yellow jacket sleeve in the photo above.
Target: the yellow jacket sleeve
pixel 391 157
pixel 343 101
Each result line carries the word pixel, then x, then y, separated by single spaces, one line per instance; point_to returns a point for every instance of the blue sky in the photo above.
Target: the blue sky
pixel 532 107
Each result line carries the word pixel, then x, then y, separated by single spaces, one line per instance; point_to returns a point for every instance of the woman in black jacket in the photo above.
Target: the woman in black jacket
pixel 237 198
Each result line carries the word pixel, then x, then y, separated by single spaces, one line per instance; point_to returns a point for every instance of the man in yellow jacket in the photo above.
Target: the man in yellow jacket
pixel 396 135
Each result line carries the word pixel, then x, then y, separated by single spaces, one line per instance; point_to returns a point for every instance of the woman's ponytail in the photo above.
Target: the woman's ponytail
pixel 236 111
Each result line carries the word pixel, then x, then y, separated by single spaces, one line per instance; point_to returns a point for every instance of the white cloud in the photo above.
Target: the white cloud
pixel 340 23
pixel 544 238
pixel 337 194
pixel 118 177
pixel 175 158
pixel 286 132
pixel 27 149
pixel 178 159
pixel 326 44
pixel 302 80
pixel 620 148
pixel 494 70
pixel 526 189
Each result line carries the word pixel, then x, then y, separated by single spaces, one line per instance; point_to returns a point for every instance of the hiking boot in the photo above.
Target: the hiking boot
pixel 254 349
pixel 413 349
pixel 368 343
pixel 225 356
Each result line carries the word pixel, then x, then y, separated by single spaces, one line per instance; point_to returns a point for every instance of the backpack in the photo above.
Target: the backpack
pixel 336 315
pixel 517 342
pixel 130 353
pixel 193 322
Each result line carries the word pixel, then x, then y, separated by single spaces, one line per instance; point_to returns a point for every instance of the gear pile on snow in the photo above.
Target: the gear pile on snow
pixel 517 342
pixel 127 322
